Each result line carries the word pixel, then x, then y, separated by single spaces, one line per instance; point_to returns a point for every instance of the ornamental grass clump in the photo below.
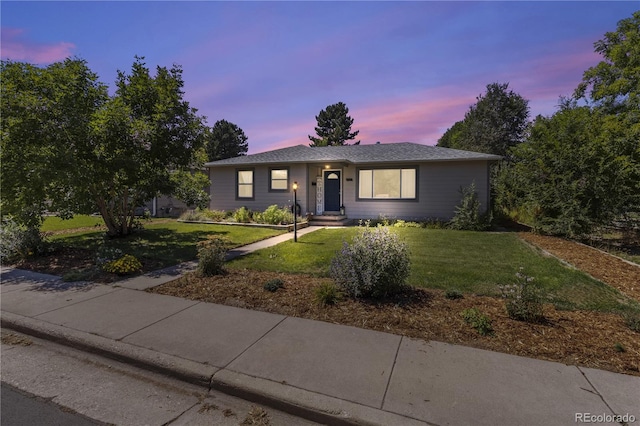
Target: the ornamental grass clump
pixel 211 256
pixel 376 264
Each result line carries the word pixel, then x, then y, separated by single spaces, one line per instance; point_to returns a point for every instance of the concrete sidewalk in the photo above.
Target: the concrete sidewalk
pixel 328 373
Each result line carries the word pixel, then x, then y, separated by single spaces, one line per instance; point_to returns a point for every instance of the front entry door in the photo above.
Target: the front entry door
pixel 332 190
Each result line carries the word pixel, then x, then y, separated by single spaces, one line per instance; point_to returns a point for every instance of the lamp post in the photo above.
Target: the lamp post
pixel 295 212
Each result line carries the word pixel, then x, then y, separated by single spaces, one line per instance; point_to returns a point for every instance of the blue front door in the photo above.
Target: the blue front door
pixel 332 190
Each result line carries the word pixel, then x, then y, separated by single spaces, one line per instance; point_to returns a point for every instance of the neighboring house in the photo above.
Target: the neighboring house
pixel 399 180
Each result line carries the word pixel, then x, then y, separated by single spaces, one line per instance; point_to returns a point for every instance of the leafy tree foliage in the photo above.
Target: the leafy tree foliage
pixel 46 113
pixel 226 140
pixel 495 123
pixel 581 167
pixel 614 84
pixel 88 151
pixel 334 127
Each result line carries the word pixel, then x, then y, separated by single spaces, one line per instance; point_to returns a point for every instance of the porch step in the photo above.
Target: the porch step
pixel 330 220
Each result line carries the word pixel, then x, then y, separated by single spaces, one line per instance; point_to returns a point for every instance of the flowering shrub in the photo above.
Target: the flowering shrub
pixel 375 264
pixel 523 299
pixel 125 265
pixel 211 255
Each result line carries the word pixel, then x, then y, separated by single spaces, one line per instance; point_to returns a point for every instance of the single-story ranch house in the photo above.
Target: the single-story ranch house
pixel 396 180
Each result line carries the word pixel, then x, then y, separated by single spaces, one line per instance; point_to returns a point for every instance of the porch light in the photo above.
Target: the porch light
pixel 295 212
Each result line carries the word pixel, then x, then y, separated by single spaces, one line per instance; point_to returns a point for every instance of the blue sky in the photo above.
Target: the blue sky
pixel 406 70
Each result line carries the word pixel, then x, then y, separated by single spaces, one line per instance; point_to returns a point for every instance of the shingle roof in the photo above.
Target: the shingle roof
pixel 357 154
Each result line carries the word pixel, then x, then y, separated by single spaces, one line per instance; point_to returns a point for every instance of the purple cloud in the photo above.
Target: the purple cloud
pixel 16 47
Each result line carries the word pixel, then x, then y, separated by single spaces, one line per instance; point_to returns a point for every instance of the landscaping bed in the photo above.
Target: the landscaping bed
pixel 585 338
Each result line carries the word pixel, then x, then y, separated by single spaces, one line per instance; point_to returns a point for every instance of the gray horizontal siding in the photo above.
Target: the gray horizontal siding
pixel 438 192
pixel 223 188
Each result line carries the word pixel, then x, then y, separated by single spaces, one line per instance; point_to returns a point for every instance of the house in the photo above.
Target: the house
pixel 397 180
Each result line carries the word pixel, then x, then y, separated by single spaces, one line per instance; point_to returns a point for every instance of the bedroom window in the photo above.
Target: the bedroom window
pixel 279 179
pixel 381 184
pixel 245 183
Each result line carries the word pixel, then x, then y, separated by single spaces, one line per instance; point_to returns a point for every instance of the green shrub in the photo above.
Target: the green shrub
pixel 211 256
pixel 477 320
pixel 106 254
pixel 275 215
pixel 327 294
pixel 375 264
pixel 18 243
pixel 453 294
pixel 242 215
pixel 632 320
pixel 402 224
pixel 467 214
pixel 127 264
pixel 523 300
pixel 215 215
pixel 273 285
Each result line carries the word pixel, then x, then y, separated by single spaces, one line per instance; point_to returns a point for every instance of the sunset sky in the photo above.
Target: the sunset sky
pixel 406 70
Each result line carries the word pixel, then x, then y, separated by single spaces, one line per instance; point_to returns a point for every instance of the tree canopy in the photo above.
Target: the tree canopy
pixel 494 124
pixel 88 151
pixel 580 168
pixel 334 127
pixel 226 140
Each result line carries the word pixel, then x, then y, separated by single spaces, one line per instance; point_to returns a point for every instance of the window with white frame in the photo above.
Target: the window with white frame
pixel 383 184
pixel 279 179
pixel 245 183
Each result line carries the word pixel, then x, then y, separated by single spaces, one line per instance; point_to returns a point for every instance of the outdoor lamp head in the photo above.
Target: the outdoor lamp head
pixel 295 186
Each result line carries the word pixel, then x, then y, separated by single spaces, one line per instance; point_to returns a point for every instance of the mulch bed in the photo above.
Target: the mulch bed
pixel 584 338
pixel 571 337
pixel 609 269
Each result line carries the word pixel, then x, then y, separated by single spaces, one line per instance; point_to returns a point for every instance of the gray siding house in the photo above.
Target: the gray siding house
pixel 397 180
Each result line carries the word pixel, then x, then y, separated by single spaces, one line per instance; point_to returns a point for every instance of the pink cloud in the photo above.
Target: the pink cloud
pixel 17 48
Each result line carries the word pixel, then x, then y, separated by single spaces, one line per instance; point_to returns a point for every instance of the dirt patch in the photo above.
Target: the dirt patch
pixel 604 267
pixel 13 339
pixel 72 259
pixel 591 339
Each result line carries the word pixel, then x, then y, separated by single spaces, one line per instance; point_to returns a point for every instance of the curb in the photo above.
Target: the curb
pixel 280 396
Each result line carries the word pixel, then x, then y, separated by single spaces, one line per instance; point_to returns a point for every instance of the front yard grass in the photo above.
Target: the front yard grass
pixel 470 262
pixel 166 243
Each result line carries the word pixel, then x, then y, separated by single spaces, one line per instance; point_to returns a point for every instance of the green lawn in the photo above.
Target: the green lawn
pixel 168 243
pixel 53 223
pixel 471 262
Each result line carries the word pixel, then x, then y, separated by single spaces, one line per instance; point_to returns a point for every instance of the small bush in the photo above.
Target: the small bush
pixel 18 243
pixel 273 285
pixel 242 215
pixel 619 347
pixel 523 300
pixel 127 264
pixel 211 256
pixel 375 264
pixel 467 214
pixel 327 294
pixel 453 294
pixel 275 215
pixel 632 320
pixel 477 320
pixel 214 215
pixel 106 254
pixel 402 224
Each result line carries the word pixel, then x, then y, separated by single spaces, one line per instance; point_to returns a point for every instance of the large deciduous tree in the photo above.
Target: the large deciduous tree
pixel 46 116
pixel 225 140
pixel 495 123
pixel 581 167
pixel 88 151
pixel 334 127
